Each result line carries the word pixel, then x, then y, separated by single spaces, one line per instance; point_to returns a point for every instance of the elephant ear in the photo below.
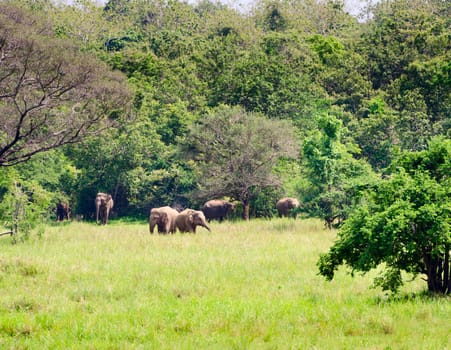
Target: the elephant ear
pixel 164 218
pixel 191 218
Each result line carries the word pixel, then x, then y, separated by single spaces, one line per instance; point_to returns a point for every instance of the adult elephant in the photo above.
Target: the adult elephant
pixel 189 219
pixel 63 211
pixel 163 218
pixel 104 203
pixel 286 205
pixel 217 209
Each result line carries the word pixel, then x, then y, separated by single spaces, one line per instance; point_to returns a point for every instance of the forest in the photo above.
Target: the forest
pixel 163 102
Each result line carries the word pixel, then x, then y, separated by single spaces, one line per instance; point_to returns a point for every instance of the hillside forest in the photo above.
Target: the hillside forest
pixel 172 103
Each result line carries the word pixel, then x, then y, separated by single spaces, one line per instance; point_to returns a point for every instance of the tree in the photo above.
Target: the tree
pixel 131 163
pixel 237 152
pixel 404 223
pixel 376 132
pixel 24 204
pixel 401 32
pixel 51 94
pixel 332 171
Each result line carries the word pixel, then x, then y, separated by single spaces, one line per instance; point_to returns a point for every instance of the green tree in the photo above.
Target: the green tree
pixel 332 171
pixel 401 32
pixel 405 47
pixel 237 151
pixel 342 72
pixel 375 131
pixel 403 223
pixel 24 204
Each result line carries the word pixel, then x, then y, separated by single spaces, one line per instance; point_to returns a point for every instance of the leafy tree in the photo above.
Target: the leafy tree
pixel 237 151
pixel 375 131
pixel 54 173
pixel 426 88
pixel 24 204
pixel 406 49
pixel 50 93
pixel 403 223
pixel 342 72
pixel 276 77
pixel 307 16
pixel 332 171
pixel 134 165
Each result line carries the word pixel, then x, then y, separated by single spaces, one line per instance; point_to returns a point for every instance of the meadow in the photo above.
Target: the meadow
pixel 245 285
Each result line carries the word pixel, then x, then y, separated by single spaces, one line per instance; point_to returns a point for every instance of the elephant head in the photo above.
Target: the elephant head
pixel 63 211
pixel 189 219
pixel 163 218
pixel 104 203
pixel 285 205
pixel 217 209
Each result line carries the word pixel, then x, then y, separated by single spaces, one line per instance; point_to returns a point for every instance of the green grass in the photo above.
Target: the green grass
pixel 243 286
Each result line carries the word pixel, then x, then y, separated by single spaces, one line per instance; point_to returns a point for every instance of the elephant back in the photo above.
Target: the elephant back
pixel 217 209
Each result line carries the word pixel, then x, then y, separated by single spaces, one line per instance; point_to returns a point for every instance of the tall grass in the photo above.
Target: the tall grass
pixel 245 285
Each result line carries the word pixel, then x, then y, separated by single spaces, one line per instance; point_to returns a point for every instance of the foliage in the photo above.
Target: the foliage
pixel 24 205
pixel 50 93
pixel 275 77
pixel 407 45
pixel 332 171
pixel 237 152
pixel 376 132
pixel 403 222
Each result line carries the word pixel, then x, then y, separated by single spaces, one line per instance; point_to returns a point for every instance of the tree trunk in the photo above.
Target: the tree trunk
pixel 438 273
pixel 246 206
pixel 447 272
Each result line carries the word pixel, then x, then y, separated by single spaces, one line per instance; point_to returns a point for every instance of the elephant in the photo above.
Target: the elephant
pixel 104 203
pixel 163 218
pixel 217 209
pixel 63 211
pixel 285 205
pixel 189 219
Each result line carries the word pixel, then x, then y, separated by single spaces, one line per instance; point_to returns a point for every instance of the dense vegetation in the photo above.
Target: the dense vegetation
pixel 293 98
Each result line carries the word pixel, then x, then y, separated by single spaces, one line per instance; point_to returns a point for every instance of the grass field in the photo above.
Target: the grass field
pixel 245 285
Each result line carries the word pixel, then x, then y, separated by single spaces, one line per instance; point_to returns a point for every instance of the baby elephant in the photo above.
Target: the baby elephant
pixel 189 219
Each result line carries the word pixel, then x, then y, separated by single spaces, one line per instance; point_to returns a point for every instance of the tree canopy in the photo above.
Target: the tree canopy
pixel 403 222
pixel 237 151
pixel 51 94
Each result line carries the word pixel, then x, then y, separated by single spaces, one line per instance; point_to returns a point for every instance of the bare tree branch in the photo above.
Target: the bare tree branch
pixel 51 94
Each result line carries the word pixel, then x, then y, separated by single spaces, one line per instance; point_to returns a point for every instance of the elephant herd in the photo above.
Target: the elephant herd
pixel 169 220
